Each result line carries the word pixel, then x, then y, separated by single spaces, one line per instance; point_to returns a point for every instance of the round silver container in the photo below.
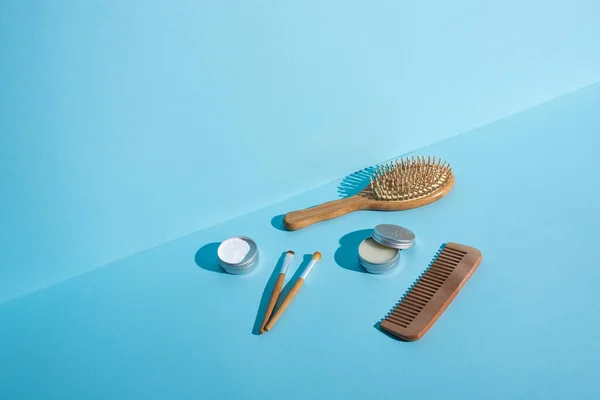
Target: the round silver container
pixel 244 266
pixel 392 237
pixel 379 268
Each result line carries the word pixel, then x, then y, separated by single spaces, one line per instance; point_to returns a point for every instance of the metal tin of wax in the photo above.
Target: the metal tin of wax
pixel 385 261
pixel 381 251
pixel 246 264
pixel 394 236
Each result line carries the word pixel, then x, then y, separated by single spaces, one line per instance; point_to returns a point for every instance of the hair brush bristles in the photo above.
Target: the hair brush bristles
pixel 409 178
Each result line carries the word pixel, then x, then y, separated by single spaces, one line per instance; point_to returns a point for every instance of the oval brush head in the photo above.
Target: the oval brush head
pixel 410 178
pixel 402 184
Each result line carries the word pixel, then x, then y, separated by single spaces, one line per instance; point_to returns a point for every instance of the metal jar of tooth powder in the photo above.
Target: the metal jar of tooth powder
pixel 380 253
pixel 238 255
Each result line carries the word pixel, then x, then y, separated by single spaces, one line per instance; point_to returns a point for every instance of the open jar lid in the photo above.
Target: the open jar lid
pixel 393 236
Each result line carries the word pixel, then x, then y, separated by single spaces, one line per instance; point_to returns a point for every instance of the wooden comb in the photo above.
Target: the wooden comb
pixel 432 292
pixel 399 185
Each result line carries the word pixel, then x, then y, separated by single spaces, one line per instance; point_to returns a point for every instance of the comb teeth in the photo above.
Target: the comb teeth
pixel 432 291
pixel 426 286
pixel 409 178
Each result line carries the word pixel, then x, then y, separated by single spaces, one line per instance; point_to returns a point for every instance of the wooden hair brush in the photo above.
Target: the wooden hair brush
pixel 398 185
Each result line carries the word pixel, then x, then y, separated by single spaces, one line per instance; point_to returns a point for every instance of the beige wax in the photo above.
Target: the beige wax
pixel 376 253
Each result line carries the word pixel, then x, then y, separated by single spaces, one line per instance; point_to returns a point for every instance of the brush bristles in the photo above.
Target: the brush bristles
pixel 409 178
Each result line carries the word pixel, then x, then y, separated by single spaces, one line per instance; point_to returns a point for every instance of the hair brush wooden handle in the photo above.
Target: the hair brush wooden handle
pixel 301 219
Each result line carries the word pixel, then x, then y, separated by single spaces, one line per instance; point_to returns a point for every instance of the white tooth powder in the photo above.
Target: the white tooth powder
pixel 234 250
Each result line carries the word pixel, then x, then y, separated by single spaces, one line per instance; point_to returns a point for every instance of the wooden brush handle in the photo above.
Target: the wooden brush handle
pixel 272 301
pixel 300 219
pixel 285 303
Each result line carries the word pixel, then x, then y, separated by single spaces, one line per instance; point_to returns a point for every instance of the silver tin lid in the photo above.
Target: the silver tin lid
pixel 393 236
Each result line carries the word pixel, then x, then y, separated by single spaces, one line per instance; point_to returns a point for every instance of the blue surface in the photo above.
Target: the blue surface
pixel 124 123
pixel 167 323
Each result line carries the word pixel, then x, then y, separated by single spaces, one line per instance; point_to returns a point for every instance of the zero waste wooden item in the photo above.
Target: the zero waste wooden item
pixel 290 296
pixel 433 291
pixel 277 289
pixel 400 185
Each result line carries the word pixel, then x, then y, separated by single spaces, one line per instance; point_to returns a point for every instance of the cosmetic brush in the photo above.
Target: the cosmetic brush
pixel 297 285
pixel 399 185
pixel 277 288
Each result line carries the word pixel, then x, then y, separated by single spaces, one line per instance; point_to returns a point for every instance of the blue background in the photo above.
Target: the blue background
pixel 126 124
pixel 168 323
pixel 136 136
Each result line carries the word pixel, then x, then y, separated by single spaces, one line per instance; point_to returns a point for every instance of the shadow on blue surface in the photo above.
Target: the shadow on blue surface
pixel 277 222
pixel 206 258
pixel 346 256
pixel 354 183
pixel 378 327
